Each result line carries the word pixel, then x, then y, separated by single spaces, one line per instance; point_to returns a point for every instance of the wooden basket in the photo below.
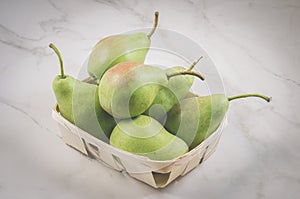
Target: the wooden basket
pixel 157 174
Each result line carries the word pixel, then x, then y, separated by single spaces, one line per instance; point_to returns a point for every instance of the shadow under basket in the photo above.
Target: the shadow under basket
pixel 157 174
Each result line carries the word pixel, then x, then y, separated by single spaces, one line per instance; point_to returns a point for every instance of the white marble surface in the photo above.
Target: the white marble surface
pixel 255 46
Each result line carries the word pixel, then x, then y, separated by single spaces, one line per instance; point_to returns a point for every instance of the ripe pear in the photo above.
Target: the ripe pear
pixel 78 102
pixel 195 118
pixel 119 48
pixel 129 88
pixel 176 89
pixel 147 137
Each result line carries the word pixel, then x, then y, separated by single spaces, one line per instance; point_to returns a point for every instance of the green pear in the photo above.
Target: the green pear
pixel 176 89
pixel 129 88
pixel 119 48
pixel 147 137
pixel 196 118
pixel 78 102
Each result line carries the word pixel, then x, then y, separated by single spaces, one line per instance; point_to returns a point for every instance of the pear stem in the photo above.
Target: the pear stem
pixel 268 99
pixel 194 64
pixel 62 74
pixel 154 25
pixel 186 73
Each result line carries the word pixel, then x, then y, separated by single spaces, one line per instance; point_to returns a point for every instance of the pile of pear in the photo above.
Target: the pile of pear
pixel 136 107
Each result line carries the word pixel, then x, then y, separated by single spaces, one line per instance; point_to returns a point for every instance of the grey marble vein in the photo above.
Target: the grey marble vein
pixel 128 6
pixel 53 24
pixel 248 52
pixel 203 14
pixel 292 122
pixel 39 51
pixel 14 40
pixel 6 31
pixel 25 113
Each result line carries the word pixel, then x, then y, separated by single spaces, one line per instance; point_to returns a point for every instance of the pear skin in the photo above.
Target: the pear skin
pixel 168 96
pixel 78 102
pixel 88 114
pixel 115 49
pixel 129 88
pixel 147 137
pixel 119 48
pixel 63 90
pixel 195 118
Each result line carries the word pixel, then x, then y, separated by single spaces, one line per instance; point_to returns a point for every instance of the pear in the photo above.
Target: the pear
pixel 176 89
pixel 196 118
pixel 78 102
pixel 147 137
pixel 129 88
pixel 119 48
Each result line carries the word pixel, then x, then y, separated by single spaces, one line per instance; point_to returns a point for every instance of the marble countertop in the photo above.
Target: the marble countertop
pixel 255 46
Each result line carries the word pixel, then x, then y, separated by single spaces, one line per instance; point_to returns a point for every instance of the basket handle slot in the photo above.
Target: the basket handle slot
pixel 161 179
